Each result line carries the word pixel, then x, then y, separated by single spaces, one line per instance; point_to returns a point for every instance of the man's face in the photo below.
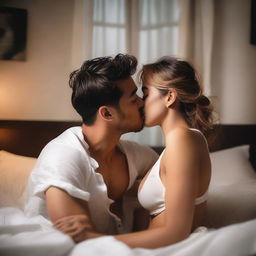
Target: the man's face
pixel 130 112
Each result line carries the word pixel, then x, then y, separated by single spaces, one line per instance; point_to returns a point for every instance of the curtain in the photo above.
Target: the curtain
pixel 154 34
pixel 158 29
pixel 82 32
pixel 196 36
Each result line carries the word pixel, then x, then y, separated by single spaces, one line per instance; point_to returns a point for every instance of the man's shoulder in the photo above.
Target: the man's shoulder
pixel 128 144
pixel 140 157
pixel 71 137
pixel 139 150
pixel 68 143
pixel 72 133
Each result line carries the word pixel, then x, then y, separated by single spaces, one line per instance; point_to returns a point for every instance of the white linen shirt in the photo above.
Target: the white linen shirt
pixel 65 163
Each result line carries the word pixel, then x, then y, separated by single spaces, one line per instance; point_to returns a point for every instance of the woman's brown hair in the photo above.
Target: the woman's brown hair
pixel 169 72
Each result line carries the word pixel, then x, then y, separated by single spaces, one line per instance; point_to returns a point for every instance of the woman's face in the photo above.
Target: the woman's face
pixel 154 106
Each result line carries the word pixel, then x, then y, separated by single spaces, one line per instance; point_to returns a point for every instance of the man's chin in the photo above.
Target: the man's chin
pixel 142 125
pixel 139 128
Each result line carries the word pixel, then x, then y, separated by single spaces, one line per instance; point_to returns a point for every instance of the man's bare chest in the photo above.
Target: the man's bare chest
pixel 115 175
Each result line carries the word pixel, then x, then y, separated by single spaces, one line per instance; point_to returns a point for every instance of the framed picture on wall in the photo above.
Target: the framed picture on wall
pixel 253 22
pixel 13 33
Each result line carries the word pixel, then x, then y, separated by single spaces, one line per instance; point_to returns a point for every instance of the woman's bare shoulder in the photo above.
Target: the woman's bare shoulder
pixel 186 143
pixel 184 137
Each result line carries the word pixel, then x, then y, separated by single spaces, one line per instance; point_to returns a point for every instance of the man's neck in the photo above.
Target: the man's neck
pixel 113 166
pixel 101 140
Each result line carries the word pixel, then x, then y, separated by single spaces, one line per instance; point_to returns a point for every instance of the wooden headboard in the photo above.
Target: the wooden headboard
pixel 29 137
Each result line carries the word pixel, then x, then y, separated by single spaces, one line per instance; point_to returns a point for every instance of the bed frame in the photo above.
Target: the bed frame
pixel 29 137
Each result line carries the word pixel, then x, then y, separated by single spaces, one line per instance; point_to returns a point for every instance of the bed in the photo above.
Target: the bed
pixel 231 216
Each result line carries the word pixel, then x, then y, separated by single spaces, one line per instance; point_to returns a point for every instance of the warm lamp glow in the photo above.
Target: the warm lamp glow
pixel 6 136
pixel 6 100
pixel 3 99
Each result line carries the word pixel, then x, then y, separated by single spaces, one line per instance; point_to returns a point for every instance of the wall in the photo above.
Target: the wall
pixel 37 89
pixel 234 63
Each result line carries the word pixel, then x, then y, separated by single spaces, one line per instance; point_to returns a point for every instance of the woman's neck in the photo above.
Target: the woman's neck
pixel 173 120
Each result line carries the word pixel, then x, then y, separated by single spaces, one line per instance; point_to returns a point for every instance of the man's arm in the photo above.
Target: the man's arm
pixel 68 214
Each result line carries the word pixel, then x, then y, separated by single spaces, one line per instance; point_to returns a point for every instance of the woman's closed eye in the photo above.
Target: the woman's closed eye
pixel 145 92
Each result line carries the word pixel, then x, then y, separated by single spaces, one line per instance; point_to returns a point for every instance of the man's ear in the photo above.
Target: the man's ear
pixel 105 113
pixel 170 98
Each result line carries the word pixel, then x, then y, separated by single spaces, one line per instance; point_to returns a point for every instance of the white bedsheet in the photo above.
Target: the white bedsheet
pixel 235 240
pixel 22 236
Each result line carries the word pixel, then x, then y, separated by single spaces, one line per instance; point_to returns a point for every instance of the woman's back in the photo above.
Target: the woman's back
pixel 153 187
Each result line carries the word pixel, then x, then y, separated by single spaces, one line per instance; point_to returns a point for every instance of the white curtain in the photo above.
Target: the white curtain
pixel 158 29
pixel 82 32
pixel 196 36
pixel 155 34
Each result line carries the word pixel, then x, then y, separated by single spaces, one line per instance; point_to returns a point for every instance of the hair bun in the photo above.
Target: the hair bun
pixel 203 101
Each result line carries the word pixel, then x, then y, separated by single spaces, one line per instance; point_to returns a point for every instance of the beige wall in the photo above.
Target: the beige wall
pixel 37 89
pixel 234 63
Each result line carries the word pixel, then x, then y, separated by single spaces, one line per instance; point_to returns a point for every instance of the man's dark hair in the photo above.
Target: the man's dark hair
pixel 94 84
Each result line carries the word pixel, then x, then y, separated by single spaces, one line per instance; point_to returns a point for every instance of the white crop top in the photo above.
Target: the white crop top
pixel 152 193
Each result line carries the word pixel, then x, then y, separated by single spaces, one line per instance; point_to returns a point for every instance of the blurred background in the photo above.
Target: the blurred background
pixel 215 35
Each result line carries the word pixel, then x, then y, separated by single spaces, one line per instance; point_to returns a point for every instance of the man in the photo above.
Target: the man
pixel 86 171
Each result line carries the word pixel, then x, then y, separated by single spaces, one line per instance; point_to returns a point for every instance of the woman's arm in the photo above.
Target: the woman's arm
pixel 180 164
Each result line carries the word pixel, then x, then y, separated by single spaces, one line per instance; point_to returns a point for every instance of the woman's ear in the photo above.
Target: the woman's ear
pixel 170 98
pixel 105 113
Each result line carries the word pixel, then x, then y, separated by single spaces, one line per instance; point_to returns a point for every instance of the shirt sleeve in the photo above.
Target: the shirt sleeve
pixel 63 167
pixel 143 157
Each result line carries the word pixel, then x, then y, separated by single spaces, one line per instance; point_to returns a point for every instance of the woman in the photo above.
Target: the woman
pixel 175 189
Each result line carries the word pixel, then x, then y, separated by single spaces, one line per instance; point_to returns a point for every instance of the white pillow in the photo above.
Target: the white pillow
pixel 231 166
pixel 14 172
pixel 232 191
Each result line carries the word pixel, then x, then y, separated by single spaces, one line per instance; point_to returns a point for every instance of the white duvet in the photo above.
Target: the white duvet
pixel 22 236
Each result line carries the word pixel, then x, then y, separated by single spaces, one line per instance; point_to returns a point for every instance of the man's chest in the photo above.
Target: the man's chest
pixel 116 176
